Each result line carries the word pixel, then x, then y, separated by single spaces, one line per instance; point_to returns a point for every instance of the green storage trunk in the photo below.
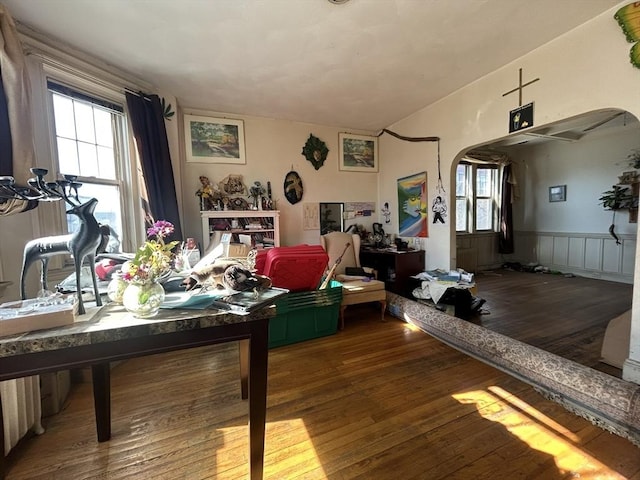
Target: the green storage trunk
pixel 305 315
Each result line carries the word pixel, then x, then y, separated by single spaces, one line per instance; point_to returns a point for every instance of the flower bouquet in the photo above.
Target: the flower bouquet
pixel 152 262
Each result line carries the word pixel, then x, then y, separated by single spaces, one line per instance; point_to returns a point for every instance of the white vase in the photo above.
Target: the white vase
pixel 143 299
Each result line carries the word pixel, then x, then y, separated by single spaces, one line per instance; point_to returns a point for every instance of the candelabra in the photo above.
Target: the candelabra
pixel 38 188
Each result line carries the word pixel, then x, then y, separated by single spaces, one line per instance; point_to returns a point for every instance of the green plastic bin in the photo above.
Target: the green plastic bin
pixel 305 315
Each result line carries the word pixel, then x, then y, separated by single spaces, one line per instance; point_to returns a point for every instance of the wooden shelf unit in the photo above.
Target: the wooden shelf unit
pixel 395 268
pixel 214 221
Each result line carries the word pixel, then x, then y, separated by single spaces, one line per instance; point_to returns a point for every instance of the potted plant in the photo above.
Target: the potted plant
pixel 618 198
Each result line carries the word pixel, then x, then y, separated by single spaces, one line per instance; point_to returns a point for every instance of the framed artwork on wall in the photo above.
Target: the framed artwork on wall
pixel 558 193
pixel 358 153
pixel 214 140
pixel 412 205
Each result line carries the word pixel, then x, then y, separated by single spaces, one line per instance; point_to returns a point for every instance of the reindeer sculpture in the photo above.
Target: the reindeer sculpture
pixel 81 244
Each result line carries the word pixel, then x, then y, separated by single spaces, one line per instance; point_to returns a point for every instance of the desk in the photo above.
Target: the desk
pixel 394 268
pixel 114 334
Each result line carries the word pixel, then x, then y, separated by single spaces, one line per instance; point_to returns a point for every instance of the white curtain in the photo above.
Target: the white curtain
pixel 15 81
pixel 21 409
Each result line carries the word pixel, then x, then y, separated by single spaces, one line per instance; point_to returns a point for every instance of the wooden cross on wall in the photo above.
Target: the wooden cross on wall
pixel 520 87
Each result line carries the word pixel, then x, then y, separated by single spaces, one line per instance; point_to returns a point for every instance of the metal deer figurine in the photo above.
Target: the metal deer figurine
pixel 82 244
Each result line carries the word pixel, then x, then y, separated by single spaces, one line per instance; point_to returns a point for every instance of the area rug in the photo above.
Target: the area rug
pixel 609 402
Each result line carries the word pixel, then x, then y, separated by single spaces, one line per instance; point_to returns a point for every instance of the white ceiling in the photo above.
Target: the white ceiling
pixel 363 64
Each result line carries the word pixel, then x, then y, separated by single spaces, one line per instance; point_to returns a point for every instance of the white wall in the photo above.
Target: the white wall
pixel 273 148
pixel 587 167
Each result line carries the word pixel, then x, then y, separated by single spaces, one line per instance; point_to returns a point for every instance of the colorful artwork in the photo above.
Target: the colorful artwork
pixel 412 205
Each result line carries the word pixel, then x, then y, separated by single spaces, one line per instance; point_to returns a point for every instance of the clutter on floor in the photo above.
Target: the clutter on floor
pixel 533 268
pixel 453 288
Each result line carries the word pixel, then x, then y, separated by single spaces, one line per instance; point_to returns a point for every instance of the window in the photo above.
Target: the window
pixel 476 197
pixel 89 135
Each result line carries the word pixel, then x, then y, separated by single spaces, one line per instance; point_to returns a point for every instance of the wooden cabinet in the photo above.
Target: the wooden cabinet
pixel 395 268
pixel 262 226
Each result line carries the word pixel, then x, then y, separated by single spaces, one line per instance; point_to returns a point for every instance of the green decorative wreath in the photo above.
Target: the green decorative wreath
pixel 315 150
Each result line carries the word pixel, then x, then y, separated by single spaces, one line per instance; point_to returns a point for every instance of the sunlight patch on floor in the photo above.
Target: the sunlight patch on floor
pixel 411 326
pixel 537 430
pixel 298 457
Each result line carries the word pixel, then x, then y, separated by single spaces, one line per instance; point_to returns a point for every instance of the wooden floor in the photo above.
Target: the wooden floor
pixel 375 401
pixel 567 316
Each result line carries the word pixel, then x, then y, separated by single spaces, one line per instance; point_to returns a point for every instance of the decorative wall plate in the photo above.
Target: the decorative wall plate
pixel 315 150
pixel 293 187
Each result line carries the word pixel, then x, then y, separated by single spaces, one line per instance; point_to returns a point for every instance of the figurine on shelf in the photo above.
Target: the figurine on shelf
pixel 256 192
pixel 209 194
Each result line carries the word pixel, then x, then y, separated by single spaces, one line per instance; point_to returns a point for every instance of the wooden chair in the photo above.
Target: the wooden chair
pixel 355 289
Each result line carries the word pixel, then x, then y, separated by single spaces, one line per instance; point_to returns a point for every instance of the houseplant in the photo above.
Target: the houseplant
pixel 620 197
pixel 152 262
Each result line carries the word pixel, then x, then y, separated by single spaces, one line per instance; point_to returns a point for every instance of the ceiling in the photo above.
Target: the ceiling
pixel 570 130
pixel 360 64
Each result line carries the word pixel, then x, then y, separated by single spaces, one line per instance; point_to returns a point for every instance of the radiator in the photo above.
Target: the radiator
pixel 21 409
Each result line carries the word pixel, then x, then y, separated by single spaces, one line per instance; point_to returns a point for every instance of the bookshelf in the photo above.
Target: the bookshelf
pixel 261 226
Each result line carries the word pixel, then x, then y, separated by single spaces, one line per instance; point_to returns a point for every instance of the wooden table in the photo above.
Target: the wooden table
pixel 110 333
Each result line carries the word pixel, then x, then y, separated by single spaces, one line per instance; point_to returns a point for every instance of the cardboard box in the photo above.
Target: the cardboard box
pixel 238 250
pixel 28 315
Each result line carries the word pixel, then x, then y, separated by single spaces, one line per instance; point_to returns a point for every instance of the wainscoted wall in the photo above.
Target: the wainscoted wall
pixel 593 255
pixel 479 251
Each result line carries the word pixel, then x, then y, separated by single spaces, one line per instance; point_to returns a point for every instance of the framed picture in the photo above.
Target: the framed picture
pixel 412 206
pixel 214 140
pixel 558 193
pixel 358 153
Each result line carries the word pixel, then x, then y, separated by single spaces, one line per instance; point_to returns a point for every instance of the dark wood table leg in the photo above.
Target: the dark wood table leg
pixel 3 462
pixel 258 359
pixel 243 346
pixel 101 376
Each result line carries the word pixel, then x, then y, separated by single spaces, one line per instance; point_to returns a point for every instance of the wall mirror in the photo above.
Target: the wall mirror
pixel 331 217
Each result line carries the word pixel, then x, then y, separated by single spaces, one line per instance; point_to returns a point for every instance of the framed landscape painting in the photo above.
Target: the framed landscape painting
pixel 358 153
pixel 214 140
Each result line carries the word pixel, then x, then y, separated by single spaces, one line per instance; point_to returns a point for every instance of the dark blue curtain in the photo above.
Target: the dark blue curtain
pixel 147 121
pixel 505 239
pixel 6 150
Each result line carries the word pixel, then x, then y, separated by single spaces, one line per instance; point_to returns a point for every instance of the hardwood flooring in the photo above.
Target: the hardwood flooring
pixel 566 316
pixel 374 401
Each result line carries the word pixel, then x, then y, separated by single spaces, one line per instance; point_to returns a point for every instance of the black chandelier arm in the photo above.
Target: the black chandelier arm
pixel 39 189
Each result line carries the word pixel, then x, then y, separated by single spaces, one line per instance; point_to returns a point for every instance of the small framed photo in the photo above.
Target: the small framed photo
pixel 214 140
pixel 558 193
pixel 358 153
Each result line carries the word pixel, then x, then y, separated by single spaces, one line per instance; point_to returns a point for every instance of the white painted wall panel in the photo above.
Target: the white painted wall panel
pixel 560 251
pixel 611 254
pixel 628 256
pixel 593 257
pixel 576 252
pixel 545 250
